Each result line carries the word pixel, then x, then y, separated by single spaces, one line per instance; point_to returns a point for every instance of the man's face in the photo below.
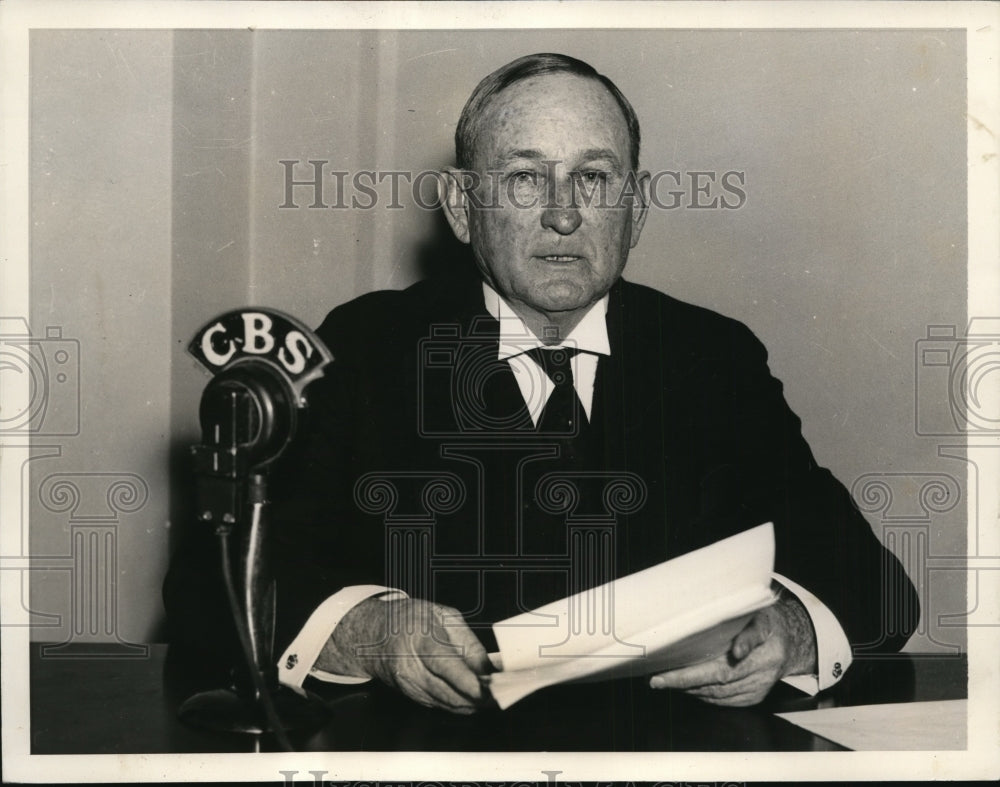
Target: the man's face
pixel 546 146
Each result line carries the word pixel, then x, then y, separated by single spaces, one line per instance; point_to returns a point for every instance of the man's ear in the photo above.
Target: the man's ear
pixel 641 205
pixel 452 197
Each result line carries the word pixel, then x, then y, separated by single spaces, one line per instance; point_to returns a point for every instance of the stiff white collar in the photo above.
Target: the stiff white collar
pixel 589 335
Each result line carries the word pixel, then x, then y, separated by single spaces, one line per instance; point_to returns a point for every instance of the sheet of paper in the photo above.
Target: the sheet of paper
pixel 679 612
pixel 909 726
pixel 609 614
pixel 509 687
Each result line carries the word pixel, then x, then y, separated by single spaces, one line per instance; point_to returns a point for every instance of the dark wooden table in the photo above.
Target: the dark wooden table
pixel 129 705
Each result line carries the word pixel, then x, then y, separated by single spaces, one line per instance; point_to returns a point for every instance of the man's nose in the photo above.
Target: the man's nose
pixel 560 212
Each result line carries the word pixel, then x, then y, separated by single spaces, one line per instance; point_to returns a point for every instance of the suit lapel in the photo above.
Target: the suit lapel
pixel 630 381
pixel 485 394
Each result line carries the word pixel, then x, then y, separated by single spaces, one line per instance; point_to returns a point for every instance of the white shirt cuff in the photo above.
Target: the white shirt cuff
pixel 299 658
pixel 833 651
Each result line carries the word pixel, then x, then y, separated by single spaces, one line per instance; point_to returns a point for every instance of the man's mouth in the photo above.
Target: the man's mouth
pixel 560 258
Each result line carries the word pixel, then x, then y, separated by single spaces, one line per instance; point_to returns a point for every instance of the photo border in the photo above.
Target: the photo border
pixel 982 24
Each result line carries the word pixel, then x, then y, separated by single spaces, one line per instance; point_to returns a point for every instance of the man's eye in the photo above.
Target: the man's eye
pixel 524 176
pixel 593 176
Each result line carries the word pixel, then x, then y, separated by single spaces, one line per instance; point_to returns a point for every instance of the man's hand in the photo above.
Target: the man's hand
pixel 423 649
pixel 778 641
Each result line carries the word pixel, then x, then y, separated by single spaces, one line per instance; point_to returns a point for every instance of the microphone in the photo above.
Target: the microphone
pixel 261 360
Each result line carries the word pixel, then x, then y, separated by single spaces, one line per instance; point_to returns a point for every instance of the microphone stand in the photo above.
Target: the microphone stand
pixel 248 415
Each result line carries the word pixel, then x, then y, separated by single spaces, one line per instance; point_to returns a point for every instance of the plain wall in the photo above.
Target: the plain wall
pixel 101 199
pixel 851 242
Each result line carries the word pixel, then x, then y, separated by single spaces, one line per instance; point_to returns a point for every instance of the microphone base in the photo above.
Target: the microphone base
pixel 223 710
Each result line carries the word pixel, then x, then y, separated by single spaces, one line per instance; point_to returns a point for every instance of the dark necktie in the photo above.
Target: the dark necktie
pixel 563 413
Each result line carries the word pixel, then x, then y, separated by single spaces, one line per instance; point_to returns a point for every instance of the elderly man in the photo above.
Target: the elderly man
pixel 538 362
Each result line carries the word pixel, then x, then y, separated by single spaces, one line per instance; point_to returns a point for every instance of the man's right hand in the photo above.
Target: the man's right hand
pixel 423 649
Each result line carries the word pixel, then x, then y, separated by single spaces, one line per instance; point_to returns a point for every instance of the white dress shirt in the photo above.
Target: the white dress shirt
pixel 590 337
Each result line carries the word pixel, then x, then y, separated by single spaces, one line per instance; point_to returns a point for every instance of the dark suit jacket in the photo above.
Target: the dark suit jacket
pixel 419 467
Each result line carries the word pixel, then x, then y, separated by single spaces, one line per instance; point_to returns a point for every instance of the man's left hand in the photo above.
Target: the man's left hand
pixel 778 641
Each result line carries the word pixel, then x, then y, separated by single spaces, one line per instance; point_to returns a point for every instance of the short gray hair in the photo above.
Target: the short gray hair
pixel 524 68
